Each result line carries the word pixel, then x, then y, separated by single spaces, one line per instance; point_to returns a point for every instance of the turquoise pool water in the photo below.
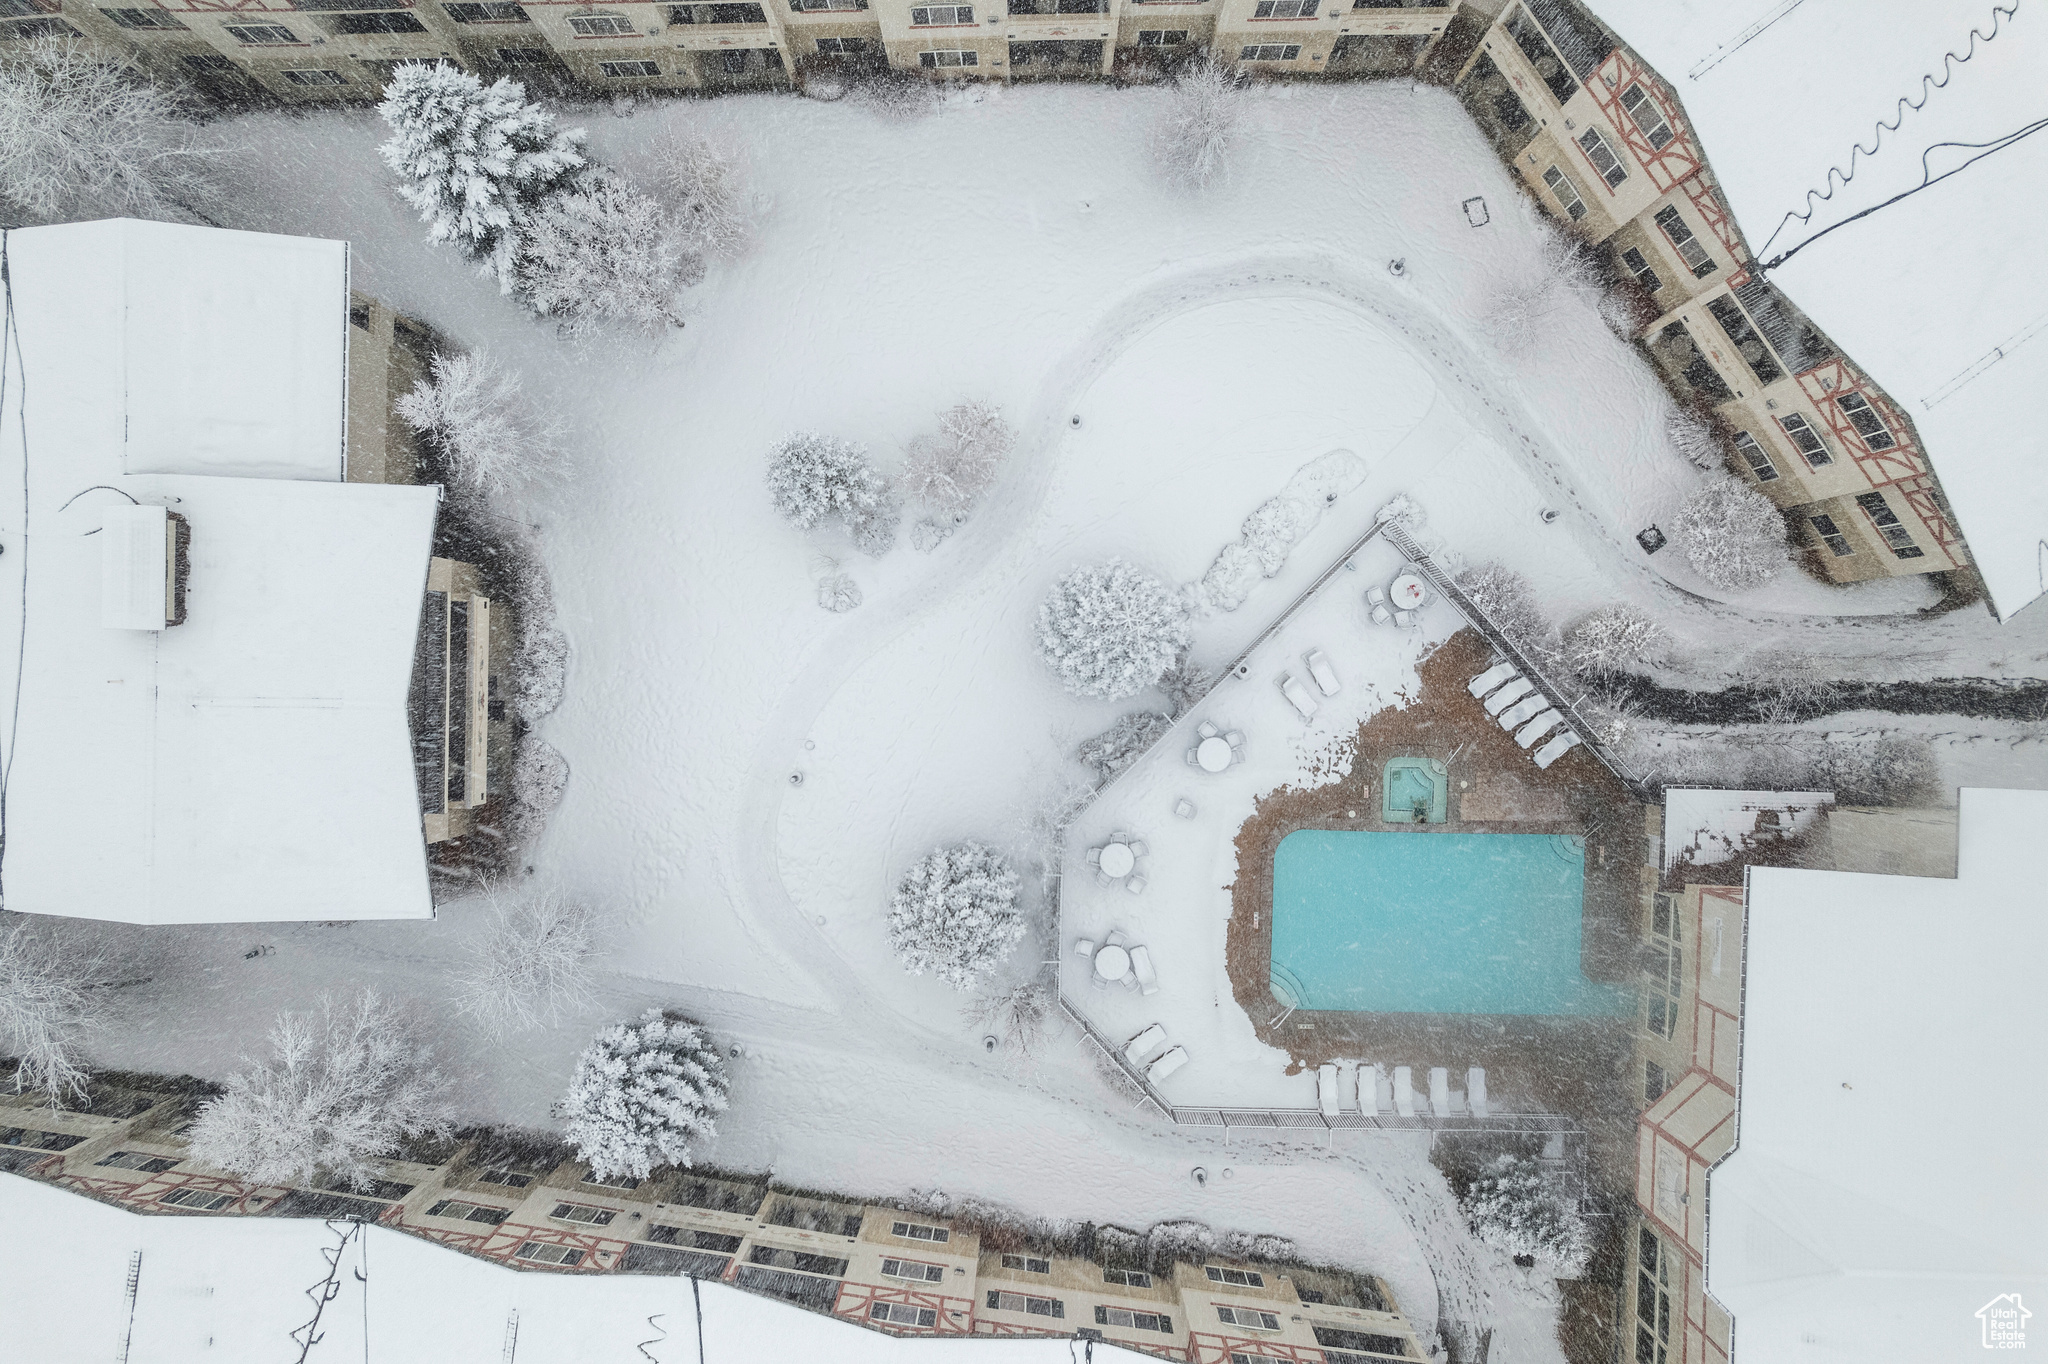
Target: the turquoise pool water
pixel 1434 923
pixel 1409 783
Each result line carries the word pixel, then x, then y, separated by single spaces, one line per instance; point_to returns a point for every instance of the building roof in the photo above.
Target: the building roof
pixel 254 762
pixel 1887 1178
pixel 1942 297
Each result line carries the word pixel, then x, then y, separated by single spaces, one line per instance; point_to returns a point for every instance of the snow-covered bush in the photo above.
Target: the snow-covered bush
pixel 955 914
pixel 1111 630
pixel 1403 511
pixel 928 533
pixel 949 471
pixel 84 134
pixel 838 593
pixel 1506 598
pixel 707 195
pixel 1611 639
pixel 603 254
pixel 1260 1245
pixel 1514 1207
pixel 492 436
pixel 1203 108
pixel 476 160
pixel 530 967
pixel 539 776
pixel 642 1092
pixel 1733 536
pixel 1016 1017
pixel 1694 437
pixel 341 1087
pixel 49 1001
pixel 1893 770
pixel 1180 1240
pixel 1185 683
pixel 895 96
pixel 1521 302
pixel 1117 747
pixel 813 477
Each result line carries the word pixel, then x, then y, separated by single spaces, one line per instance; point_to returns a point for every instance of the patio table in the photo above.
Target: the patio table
pixel 1407 592
pixel 1213 754
pixel 1113 963
pixel 1117 860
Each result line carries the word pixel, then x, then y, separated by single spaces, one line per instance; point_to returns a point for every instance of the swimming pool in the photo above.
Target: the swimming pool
pixel 1415 791
pixel 1449 923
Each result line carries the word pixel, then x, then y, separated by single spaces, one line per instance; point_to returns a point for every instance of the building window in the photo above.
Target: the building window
pixel 917 1231
pixel 1162 37
pixel 1252 1357
pixel 1270 52
pixel 490 12
pixel 315 78
pixel 701 1240
pixel 1759 462
pixel 1236 1278
pixel 914 1269
pixel 1864 418
pixel 38 1141
pixel 717 14
pixel 1284 9
pixel 612 1182
pixel 932 61
pixel 1688 246
pixel 620 71
pixel 1653 1082
pixel 842 47
pixel 210 63
pixel 1647 115
pixel 1250 1318
pixel 814 6
pixel 1059 6
pixel 1567 193
pixel 1744 337
pixel 1639 266
pixel 1536 47
pixel 602 26
pixel 583 1212
pixel 261 35
pixel 923 15
pixel 1807 440
pixel 999 1301
pixel 1602 156
pixel 142 18
pixel 831 1266
pixel 1888 525
pixel 1653 1299
pixel 389 22
pixel 468 1212
pixel 1130 1278
pixel 137 1160
pixel 1030 1264
pixel 1663 963
pixel 199 1200
pixel 523 56
pixel 1133 1321
pixel 42 26
pixel 546 1253
pixel 1831 535
pixel 903 1314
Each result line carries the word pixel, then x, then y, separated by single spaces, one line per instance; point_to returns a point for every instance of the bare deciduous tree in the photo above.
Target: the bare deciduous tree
pixel 708 192
pixel 1203 108
pixel 604 255
pixel 477 413
pixel 1015 1017
pixel 949 471
pixel 48 1004
pixel 532 965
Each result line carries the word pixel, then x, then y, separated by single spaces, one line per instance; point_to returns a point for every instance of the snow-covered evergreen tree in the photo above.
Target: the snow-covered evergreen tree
pixel 1514 1207
pixel 530 967
pixel 642 1093
pixel 603 254
pixel 1117 747
pixel 1203 109
pixel 340 1088
pixel 950 471
pixel 491 435
pixel 1694 437
pixel 813 477
pixel 708 197
pixel 1111 630
pixel 475 160
pixel 1611 639
pixel 1733 536
pixel 955 914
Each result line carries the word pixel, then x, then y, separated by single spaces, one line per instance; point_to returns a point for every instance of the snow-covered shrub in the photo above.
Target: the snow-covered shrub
pixel 1274 527
pixel 1117 747
pixel 1733 536
pixel 1403 511
pixel 642 1092
pixel 341 1087
pixel 492 436
pixel 927 534
pixel 1180 1240
pixel 530 967
pixel 1111 630
pixel 1611 639
pixel 838 593
pixel 707 195
pixel 813 477
pixel 476 160
pixel 1260 1245
pixel 540 668
pixel 49 1001
pixel 955 914
pixel 540 774
pixel 895 96
pixel 1894 770
pixel 1518 308
pixel 603 254
pixel 1193 135
pixel 85 134
pixel 949 471
pixel 1016 1017
pixel 1185 683
pixel 1120 1246
pixel 1514 1207
pixel 1506 598
pixel 1269 534
pixel 1694 437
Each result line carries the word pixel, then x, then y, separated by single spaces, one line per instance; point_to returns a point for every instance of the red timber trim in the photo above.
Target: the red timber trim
pixel 1708 204
pixel 500 1241
pixel 1207 1349
pixel 856 1298
pixel 1678 159
pixel 1702 1027
pixel 1832 379
pixel 1004 1328
pixel 1919 495
pixel 146 1194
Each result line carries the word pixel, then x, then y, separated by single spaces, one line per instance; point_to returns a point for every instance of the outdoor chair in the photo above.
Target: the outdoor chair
pixel 1141 970
pixel 1116 938
pixel 1206 730
pixel 1491 678
pixel 1528 734
pixel 1138 848
pixel 1194 757
pixel 1375 596
pixel 1184 807
pixel 1320 671
pixel 1095 857
pixel 1381 615
pixel 1406 619
pixel 1141 1046
pixel 1084 948
pixel 1166 1065
pixel 1136 884
pixel 1326 1088
pixel 1297 696
pixel 1119 837
pixel 1440 1091
pixel 1556 748
pixel 1235 738
pixel 1475 1091
pixel 1404 1091
pixel 1104 879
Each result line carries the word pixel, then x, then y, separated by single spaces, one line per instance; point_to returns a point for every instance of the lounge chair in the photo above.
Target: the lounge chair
pixel 1167 1064
pixel 1347 1087
pixel 1475 1091
pixel 1372 1089
pixel 1135 884
pixel 1491 678
pixel 1320 671
pixel 1375 596
pixel 1184 807
pixel 1297 696
pixel 1404 1091
pixel 1141 968
pixel 1440 1091
pixel 1508 695
pixel 1382 616
pixel 1556 748
pixel 1523 711
pixel 1538 727
pixel 1206 730
pixel 1326 1088
pixel 1144 1044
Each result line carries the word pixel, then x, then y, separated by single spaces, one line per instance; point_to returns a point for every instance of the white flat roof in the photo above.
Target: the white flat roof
pixel 1887 1180
pixel 1942 297
pixel 255 762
